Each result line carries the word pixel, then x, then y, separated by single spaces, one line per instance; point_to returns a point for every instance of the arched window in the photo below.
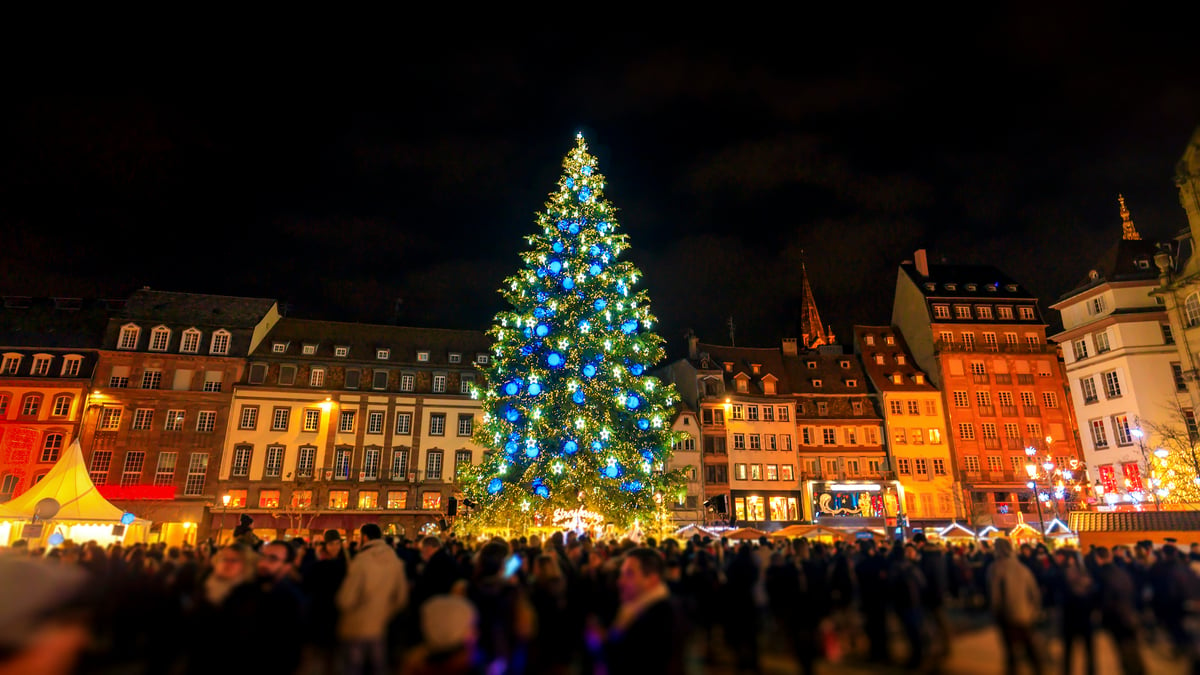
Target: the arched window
pixel 30 405
pixel 52 447
pixel 159 337
pixel 62 405
pixel 8 486
pixel 1191 308
pixel 129 336
pixel 220 342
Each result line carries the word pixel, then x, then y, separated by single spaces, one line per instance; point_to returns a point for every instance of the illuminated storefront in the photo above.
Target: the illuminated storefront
pixel 752 506
pixel 855 504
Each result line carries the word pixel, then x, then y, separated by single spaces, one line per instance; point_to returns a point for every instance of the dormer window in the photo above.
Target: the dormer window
pixel 941 311
pixel 728 366
pixel 383 354
pixel 279 347
pixel 812 365
pixel 879 359
pixel 308 350
pixel 816 383
pixel 755 368
pixel 869 340
pixel 1142 263
pixel 971 287
pixel 1011 288
pixel 769 387
pixel 897 378
pixel 189 342
pixel 962 311
pixel 930 286
pixel 992 287
pixel 220 343
pixel 900 359
pixel 919 378
pixel 455 357
pixel 742 385
pixel 851 383
pixel 129 336
pixel 422 356
pixel 482 359
pixel 952 287
pixel 159 337
pixel 845 364
pixel 341 350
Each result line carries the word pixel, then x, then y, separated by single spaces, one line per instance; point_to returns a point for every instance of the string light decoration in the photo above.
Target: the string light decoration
pixel 1175 476
pixel 572 420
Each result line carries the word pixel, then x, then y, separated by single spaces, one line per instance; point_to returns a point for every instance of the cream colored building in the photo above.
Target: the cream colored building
pixel 688 510
pixel 915 427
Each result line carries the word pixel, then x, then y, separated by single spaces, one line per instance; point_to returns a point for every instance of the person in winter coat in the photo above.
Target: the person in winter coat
pixel 374 590
pixel 1016 603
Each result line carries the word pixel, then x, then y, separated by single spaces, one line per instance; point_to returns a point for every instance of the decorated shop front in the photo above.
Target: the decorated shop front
pixel 765 510
pixel 855 504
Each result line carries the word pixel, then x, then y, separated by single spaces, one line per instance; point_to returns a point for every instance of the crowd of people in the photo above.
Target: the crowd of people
pixel 569 604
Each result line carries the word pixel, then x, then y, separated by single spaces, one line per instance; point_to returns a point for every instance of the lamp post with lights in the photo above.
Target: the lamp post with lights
pixel 224 509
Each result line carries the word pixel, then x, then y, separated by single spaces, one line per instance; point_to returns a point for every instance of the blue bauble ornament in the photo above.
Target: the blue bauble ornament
pixel 542 330
pixel 531 450
pixel 562 224
pixel 637 369
pixel 570 447
pixel 599 304
pixel 629 326
pixel 511 414
pixel 535 388
pixel 578 396
pixel 632 402
pixel 527 332
pixel 541 489
pixel 595 269
pixel 557 247
pixel 631 486
pixel 612 471
pixel 526 350
pixel 554 360
pixel 555 266
pixel 568 283
pixel 594 250
pixel 589 370
pixel 643 423
pixel 541 272
pixel 541 296
pixel 570 182
pixel 647 455
pixel 585 194
pixel 539 312
pixel 596 446
pixel 573 228
pixel 510 448
pixel 512 387
pixel 603 227
pixel 494 486
pixel 587 171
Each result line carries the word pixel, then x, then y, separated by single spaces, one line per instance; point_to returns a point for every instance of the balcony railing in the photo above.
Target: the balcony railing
pixel 1032 411
pixel 1024 379
pixel 944 346
pixel 1008 410
pixel 980 378
pixel 1014 444
pixel 991 443
pixel 987 410
pixel 1003 378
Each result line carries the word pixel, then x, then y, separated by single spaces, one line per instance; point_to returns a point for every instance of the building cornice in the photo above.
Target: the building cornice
pixel 1157 316
pixel 1097 290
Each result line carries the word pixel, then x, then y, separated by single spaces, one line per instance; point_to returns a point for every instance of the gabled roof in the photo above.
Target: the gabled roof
pixel 1135 521
pixel 1126 260
pixel 69 484
pixel 793 374
pixel 226 311
pixel 365 339
pixel 880 374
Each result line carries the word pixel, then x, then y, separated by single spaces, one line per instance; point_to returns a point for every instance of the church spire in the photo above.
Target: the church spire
pixel 1128 231
pixel 811 329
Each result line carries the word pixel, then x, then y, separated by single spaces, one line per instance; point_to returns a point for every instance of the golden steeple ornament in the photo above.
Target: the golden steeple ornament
pixel 1128 231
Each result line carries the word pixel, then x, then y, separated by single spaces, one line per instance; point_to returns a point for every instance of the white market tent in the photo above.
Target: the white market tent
pixel 83 513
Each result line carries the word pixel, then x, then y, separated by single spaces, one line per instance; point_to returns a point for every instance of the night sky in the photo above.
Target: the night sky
pixel 339 182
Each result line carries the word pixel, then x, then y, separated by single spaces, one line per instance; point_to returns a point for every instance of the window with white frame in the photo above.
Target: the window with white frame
pixel 407 380
pixel 1026 313
pixel 128 337
pixel 829 435
pixel 151 378
pixel 316 377
pixel 1088 386
pixel 482 359
pixel 466 424
pixel 1099 435
pixel 983 312
pixel 159 337
pixel 174 420
pixel 341 350
pixel 433 465
pixel 305 460
pixel 455 357
pixel 383 354
pixel 346 422
pixel 101 463
pixel 437 424
pixel 971 464
pixel 403 423
pixel 279 347
pixel 62 405
pixel 1112 384
pixel 375 422
pixel 966 431
pixel 164 472
pixel 213 380
pixel 370 464
pixel 400 464
pixel 110 418
pixel 51 447
pixel 465 382
pixel 439 384
pixel 41 365
pixel 422 356
pixel 240 466
pixel 71 366
pixel 308 350
pixel 273 467
pixel 1049 399
pixel 904 466
pixel 1123 431
pixel 1080 348
pixel 312 419
pixel 249 418
pixel 961 400
pixel 197 471
pixel 962 311
pixel 941 311
pixel 280 417
pixel 143 419
pixel 995 463
pixel 220 342
pixel 206 420
pixel 341 463
pixel 189 343
pixel 1102 345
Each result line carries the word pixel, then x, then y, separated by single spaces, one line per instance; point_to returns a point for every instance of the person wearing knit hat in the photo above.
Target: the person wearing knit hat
pixel 449 624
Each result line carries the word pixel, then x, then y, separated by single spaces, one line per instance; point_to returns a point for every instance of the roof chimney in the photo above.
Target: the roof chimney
pixel 789 346
pixel 693 345
pixel 922 262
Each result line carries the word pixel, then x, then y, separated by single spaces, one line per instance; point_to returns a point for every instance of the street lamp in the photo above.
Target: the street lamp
pixel 1031 469
pixel 224 508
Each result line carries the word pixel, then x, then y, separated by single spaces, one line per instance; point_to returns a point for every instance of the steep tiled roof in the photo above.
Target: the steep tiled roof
pixel 365 339
pixel 1127 260
pixel 1135 521
pixel 794 374
pixel 987 282
pixel 881 374
pixel 196 309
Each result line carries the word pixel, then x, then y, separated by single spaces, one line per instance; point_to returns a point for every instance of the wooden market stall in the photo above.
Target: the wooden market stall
pixel 1114 528
pixel 956 534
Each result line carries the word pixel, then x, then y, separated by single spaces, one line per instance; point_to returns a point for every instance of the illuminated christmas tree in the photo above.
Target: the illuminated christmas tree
pixel 1176 477
pixel 571 417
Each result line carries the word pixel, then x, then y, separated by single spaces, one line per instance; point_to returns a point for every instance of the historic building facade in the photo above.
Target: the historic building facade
pixel 688 508
pixel 161 396
pixel 981 338
pixel 339 424
pixel 48 350
pixel 915 427
pixel 1126 378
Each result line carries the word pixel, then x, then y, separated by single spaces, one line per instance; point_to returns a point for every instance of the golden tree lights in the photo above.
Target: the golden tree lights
pixel 1176 476
pixel 572 419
